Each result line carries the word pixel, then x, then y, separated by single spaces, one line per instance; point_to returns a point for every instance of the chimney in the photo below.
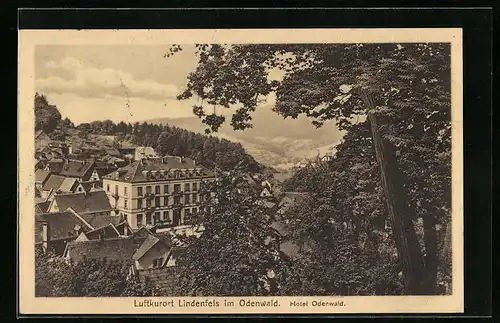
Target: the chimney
pixel 45 235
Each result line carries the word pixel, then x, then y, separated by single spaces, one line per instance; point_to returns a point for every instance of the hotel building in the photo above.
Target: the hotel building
pixel 160 192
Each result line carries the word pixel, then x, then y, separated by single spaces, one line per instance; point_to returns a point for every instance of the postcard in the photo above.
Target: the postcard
pixel 240 171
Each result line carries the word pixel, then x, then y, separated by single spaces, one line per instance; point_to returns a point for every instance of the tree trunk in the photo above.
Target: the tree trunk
pixel 400 213
pixel 431 258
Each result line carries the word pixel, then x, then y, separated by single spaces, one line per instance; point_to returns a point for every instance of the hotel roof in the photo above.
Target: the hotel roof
pixel 158 169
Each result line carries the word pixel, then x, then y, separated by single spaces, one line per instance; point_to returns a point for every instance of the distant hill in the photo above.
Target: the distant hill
pixel 273 140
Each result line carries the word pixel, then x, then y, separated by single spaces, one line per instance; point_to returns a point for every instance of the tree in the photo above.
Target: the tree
pixel 233 256
pixel 55 277
pixel 47 116
pixel 397 86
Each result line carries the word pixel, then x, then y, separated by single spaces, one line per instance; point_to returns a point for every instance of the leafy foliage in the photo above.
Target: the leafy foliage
pixel 47 116
pixel 55 277
pixel 233 255
pixel 410 84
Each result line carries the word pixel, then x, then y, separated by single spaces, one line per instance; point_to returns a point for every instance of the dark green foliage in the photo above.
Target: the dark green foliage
pixel 55 277
pixel 47 116
pixel 410 86
pixel 233 255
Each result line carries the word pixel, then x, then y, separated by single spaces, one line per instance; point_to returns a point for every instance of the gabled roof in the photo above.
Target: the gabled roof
pixel 164 168
pixel 55 165
pixel 99 220
pixel 41 175
pixel 84 202
pixel 54 182
pixel 104 232
pixel 40 133
pixel 42 207
pixel 68 184
pixel 118 249
pixel 61 225
pixel 76 168
pixel 149 243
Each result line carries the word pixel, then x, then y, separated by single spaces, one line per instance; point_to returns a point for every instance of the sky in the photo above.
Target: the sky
pixel 116 82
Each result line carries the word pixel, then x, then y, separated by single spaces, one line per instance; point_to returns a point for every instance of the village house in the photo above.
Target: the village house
pixel 54 166
pixel 41 206
pixel 42 140
pixel 41 176
pixel 142 252
pixel 54 230
pixel 82 202
pixel 144 152
pixel 56 184
pixel 89 186
pixel 80 169
pixel 162 192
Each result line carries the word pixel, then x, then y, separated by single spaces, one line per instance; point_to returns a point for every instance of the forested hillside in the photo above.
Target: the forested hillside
pixel 166 140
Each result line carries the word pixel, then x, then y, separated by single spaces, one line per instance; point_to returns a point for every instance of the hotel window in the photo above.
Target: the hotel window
pixel 195 198
pixel 177 200
pixel 166 216
pixel 125 205
pixel 187 187
pixel 157 189
pixel 116 189
pixel 186 199
pixel 139 191
pixel 139 220
pixel 165 200
pixel 107 188
pixel 187 216
pixel 165 189
pixel 195 187
pixel 148 189
pixel 157 216
pixel 157 201
pixel 139 203
pixel 148 219
pixel 148 203
pixel 177 188
pixel 125 191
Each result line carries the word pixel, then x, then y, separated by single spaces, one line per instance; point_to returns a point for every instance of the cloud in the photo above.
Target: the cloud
pixel 95 82
pixel 117 108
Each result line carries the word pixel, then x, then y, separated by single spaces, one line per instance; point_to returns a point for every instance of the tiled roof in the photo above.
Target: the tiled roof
pixel 104 232
pixel 41 175
pixel 61 225
pixel 120 249
pixel 56 165
pixel 53 182
pixel 160 169
pixel 106 169
pixel 149 243
pixel 83 202
pixel 77 168
pixel 42 207
pixel 68 184
pixel 99 220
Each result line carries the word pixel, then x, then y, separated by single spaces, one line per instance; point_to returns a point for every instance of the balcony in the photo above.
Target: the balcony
pixel 149 196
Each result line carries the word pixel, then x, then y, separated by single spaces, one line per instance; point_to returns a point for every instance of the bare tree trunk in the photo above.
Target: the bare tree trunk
pixel 400 213
pixel 431 258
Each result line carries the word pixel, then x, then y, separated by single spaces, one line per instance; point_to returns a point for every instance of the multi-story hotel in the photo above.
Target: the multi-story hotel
pixel 161 192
